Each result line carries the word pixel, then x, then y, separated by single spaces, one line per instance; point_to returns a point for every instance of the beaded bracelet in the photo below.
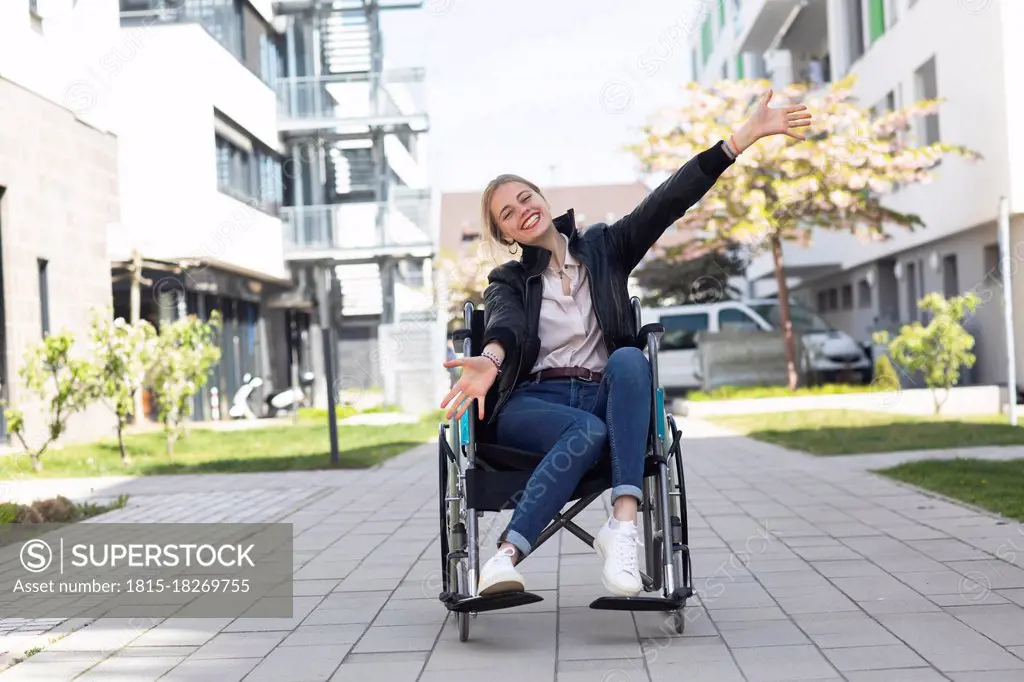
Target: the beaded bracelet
pixel 493 358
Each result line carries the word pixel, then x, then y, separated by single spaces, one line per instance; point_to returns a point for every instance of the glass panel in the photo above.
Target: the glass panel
pixel 802 319
pixel 733 318
pixel 680 330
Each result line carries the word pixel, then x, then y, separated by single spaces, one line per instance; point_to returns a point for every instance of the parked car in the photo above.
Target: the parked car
pixel 832 354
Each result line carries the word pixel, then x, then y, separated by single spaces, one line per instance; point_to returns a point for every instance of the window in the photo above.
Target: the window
pixel 705 40
pixel 993 268
pixel 847 297
pixel 856 24
pixel 695 65
pixel 892 13
pixel 833 299
pixel 681 331
pixel 802 319
pixel 876 19
pixel 739 66
pixel 721 15
pixel 950 277
pixel 863 294
pixel 926 84
pixel 910 274
pixel 247 174
pixel 44 296
pixel 822 301
pixel 733 318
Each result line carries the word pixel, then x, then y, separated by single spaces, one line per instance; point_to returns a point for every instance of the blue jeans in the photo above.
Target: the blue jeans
pixel 575 422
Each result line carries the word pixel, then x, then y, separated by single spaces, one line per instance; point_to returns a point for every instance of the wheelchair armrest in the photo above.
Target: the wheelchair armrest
pixel 645 331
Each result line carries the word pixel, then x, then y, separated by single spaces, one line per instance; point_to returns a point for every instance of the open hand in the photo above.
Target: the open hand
pixel 478 374
pixel 768 120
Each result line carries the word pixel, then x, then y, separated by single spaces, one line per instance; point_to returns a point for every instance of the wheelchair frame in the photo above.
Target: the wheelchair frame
pixel 668 567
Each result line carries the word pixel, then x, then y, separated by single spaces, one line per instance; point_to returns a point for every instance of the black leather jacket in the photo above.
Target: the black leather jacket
pixel 608 252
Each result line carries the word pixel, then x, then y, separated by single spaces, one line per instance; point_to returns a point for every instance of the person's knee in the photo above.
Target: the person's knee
pixel 629 362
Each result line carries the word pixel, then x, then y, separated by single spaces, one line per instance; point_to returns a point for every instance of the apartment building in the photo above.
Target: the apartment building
pixel 359 226
pixel 192 85
pixel 901 51
pixel 58 187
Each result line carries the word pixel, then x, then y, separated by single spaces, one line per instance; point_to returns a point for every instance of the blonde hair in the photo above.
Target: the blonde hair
pixel 486 219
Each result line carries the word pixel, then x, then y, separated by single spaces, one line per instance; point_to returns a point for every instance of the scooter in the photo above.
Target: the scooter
pixel 289 399
pixel 240 408
pixel 284 400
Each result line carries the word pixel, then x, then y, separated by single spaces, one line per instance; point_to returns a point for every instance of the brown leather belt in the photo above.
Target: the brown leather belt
pixel 567 373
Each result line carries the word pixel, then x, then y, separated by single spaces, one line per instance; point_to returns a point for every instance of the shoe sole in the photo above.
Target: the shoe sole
pixel 501 587
pixel 616 591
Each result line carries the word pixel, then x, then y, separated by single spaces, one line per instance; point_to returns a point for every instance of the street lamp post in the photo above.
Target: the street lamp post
pixel 1011 348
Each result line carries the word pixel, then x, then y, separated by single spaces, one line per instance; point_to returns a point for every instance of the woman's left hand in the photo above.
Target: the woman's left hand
pixel 767 121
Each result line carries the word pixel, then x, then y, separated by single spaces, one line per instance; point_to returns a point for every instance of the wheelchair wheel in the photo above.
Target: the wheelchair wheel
pixel 679 620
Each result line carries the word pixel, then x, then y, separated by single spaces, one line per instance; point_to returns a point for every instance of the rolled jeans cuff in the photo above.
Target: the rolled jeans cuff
pixel 620 490
pixel 520 543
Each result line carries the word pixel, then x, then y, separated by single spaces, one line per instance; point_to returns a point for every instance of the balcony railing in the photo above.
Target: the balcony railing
pixel 352 100
pixel 359 231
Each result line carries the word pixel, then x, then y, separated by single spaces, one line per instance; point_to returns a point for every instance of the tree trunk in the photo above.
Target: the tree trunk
pixel 135 314
pixel 37 463
pixel 787 325
pixel 120 441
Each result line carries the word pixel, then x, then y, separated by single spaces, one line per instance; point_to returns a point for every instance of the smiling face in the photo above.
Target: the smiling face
pixel 520 213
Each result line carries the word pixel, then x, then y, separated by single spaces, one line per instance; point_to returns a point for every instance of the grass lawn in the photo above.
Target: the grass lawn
pixel 273 448
pixel 848 432
pixel 747 392
pixel 996 486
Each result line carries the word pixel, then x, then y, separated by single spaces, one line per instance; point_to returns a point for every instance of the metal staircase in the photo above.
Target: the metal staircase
pixel 336 106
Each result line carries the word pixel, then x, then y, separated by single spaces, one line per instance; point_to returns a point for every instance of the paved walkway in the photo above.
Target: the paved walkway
pixel 808 569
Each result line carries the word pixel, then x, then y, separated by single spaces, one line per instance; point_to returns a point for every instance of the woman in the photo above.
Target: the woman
pixel 559 339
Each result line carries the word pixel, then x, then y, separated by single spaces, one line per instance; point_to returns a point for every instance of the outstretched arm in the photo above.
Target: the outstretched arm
pixel 634 234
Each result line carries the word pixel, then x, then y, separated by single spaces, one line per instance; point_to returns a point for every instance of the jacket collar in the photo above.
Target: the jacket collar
pixel 535 258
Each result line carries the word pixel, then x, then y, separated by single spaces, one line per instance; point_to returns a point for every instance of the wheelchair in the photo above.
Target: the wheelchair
pixel 477 477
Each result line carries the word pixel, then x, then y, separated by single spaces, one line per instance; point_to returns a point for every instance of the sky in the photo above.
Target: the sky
pixel 549 89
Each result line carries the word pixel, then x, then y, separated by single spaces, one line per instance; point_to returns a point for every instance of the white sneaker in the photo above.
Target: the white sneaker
pixel 617 548
pixel 499 575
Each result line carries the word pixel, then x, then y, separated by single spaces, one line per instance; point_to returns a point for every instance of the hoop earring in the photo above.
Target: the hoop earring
pixel 513 248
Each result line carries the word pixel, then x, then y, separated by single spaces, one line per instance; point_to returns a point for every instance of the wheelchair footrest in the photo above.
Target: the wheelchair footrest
pixel 493 602
pixel 637 604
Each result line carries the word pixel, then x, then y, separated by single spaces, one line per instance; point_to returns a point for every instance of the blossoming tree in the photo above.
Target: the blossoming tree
pixel 781 189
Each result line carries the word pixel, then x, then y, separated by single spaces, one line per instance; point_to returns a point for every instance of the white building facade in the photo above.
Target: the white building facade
pixel 193 90
pixel 901 51
pixel 58 189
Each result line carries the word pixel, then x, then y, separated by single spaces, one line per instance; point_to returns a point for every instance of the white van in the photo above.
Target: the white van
pixel 831 351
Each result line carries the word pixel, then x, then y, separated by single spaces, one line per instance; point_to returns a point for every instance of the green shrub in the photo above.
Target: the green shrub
pixel 886 378
pixel 8 512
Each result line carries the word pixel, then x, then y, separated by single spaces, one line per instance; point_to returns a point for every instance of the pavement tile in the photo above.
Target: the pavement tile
pixel 948 644
pixel 784 663
pixel 761 633
pixel 204 670
pixel 1002 623
pixel 238 645
pixel 316 663
pixel 386 638
pixel 137 668
pixel 897 675
pixel 874 657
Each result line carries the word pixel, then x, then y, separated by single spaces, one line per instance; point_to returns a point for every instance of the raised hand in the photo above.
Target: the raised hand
pixel 768 120
pixel 478 374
